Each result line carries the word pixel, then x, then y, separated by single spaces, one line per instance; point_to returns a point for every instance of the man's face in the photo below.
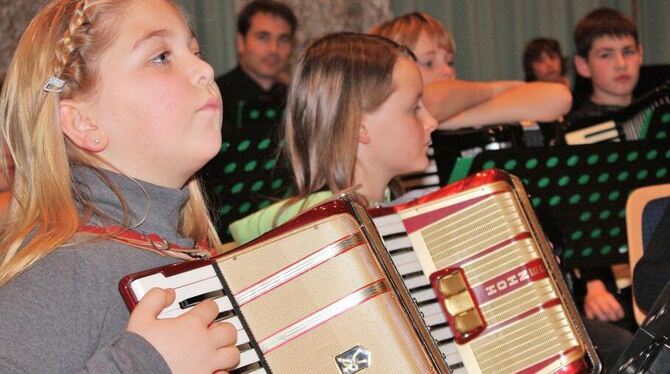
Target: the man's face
pixel 264 52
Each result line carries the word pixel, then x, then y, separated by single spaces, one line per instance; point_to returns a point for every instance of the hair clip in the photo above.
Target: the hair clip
pixel 54 84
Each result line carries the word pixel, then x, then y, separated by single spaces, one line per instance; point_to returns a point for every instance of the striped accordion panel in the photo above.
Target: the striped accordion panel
pixel 496 284
pixel 318 294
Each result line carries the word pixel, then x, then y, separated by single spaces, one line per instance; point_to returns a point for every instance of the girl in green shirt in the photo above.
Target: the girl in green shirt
pixel 354 117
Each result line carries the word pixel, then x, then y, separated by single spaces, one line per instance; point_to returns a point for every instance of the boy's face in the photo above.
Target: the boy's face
pixel 435 63
pixel 613 64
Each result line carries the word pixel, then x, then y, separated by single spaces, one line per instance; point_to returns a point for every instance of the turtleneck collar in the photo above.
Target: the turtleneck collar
pixel 157 208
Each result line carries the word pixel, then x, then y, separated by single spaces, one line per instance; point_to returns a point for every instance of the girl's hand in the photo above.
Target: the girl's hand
pixel 190 343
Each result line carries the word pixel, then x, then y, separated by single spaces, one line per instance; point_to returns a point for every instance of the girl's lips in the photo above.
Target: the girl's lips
pixel 212 104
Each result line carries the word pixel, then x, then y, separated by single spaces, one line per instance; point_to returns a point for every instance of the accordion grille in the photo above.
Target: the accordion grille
pixel 286 318
pixel 526 325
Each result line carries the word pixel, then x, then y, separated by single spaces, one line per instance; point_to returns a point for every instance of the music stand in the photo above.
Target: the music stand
pixel 247 175
pixel 579 192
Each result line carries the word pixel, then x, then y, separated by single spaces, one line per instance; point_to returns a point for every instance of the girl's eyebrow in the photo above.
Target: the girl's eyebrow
pixel 162 33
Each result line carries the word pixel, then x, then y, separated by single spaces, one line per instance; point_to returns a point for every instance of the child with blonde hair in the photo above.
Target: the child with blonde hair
pixel 108 111
pixel 457 103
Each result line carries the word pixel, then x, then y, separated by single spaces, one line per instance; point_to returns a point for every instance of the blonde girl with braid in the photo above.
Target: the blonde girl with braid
pixel 107 112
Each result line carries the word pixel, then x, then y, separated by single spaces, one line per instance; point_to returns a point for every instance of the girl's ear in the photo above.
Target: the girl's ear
pixel 80 129
pixel 363 134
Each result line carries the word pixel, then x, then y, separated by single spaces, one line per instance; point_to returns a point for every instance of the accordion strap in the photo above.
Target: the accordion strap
pixel 150 242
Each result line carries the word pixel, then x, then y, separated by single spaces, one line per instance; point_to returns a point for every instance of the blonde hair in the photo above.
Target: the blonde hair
pixel 339 77
pixel 405 30
pixel 64 40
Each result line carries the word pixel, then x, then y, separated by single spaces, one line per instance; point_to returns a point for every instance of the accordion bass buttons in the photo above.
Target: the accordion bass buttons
pixel 457 302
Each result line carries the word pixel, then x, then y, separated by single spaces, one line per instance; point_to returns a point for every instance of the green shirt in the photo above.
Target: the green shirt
pixel 252 226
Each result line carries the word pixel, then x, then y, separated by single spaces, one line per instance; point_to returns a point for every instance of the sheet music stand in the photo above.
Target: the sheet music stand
pixel 247 175
pixel 579 192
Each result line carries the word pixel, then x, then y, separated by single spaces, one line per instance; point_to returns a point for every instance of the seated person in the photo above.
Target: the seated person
pixel 609 54
pixel 543 61
pixel 457 103
pixel 363 93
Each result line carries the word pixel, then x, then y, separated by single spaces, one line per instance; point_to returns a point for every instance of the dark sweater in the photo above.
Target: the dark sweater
pixel 245 103
pixel 652 272
pixel 65 315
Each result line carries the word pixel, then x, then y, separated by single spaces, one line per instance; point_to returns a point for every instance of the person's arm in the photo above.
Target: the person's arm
pixel 445 99
pixel 58 317
pixel 536 101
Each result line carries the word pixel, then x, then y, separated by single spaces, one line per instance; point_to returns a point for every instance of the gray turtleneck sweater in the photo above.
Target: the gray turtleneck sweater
pixel 65 314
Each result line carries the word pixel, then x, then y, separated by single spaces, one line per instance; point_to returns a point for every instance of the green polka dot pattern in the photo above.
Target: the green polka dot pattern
pixel 247 174
pixel 580 192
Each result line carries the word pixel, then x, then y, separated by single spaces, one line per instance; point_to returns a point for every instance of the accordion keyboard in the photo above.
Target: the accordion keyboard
pixel 397 242
pixel 194 286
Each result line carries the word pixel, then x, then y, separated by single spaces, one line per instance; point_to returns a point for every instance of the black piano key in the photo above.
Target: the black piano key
pixel 246 369
pixel 224 315
pixel 411 275
pixel 191 301
pixel 401 250
pixel 421 288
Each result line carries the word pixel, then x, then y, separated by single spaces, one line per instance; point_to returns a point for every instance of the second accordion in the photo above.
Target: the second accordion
pixel 479 246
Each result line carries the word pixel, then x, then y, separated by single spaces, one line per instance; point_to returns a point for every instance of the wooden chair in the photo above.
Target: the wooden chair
pixel 639 222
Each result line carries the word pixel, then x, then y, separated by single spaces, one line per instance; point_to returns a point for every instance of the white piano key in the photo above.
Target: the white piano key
pixel 223 303
pixel 235 321
pixel 432 318
pixel 195 289
pixel 405 258
pixel 389 225
pixel 242 337
pixel 453 358
pixel 141 286
pixel 409 268
pixel 424 295
pixel 398 243
pixel 258 371
pixel 248 357
pixel 441 333
pixel 417 281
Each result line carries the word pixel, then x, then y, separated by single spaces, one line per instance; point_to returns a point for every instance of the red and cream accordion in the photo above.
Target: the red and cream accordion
pixel 318 294
pixel 477 261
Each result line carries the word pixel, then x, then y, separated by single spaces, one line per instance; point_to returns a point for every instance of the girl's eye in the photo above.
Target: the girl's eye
pixel 427 64
pixel 416 108
pixel 161 59
pixel 199 55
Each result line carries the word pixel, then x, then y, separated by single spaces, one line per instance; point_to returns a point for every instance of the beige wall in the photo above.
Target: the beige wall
pixel 15 15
